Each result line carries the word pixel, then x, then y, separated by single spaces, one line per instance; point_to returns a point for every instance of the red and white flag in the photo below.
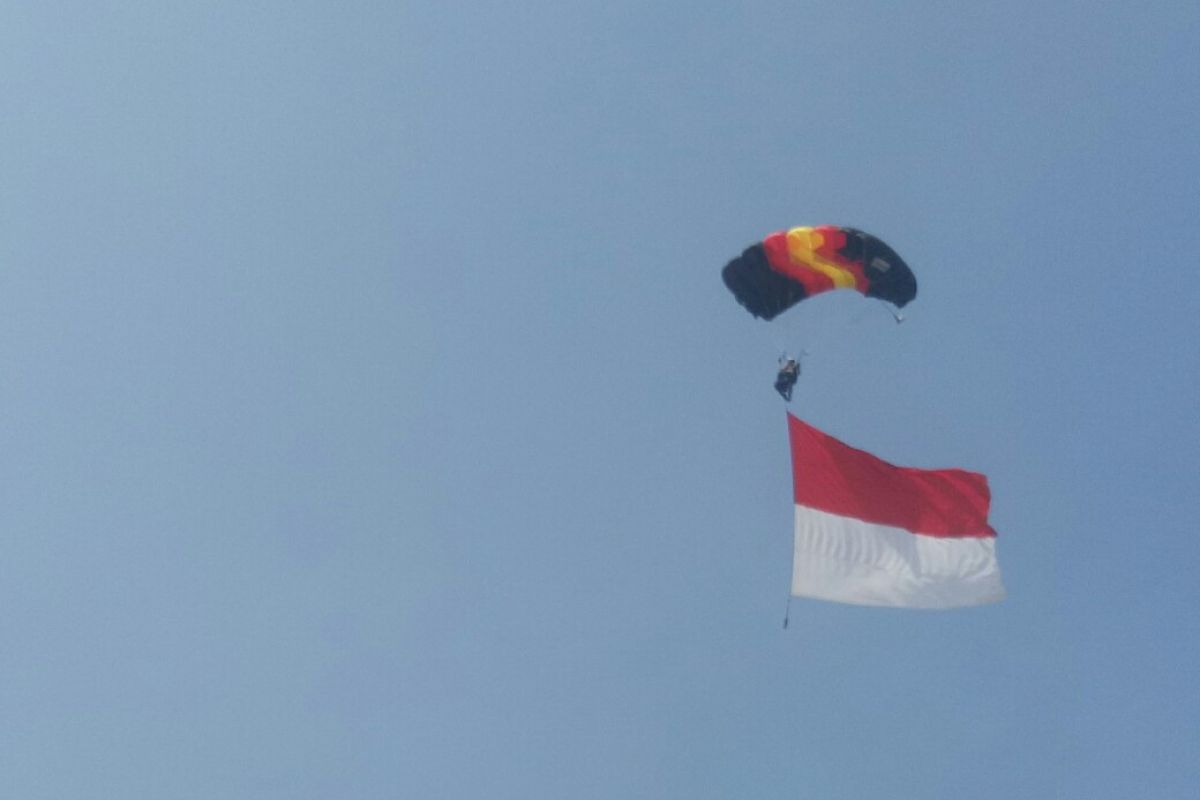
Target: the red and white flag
pixel 875 534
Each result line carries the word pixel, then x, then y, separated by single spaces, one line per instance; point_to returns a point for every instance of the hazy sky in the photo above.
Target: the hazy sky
pixel 376 424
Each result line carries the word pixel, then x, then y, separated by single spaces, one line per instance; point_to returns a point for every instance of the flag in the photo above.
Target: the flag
pixel 871 533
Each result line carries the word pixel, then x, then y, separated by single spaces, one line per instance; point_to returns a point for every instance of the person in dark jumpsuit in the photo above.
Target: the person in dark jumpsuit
pixel 789 371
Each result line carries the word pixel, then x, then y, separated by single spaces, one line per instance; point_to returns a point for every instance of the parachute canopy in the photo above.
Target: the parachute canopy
pixel 773 275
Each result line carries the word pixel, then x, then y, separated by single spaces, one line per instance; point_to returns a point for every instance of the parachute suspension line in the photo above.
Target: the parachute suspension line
pixel 896 315
pixel 800 355
pixel 788 612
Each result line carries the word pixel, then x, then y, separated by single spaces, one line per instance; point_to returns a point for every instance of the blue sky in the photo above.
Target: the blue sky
pixel 376 423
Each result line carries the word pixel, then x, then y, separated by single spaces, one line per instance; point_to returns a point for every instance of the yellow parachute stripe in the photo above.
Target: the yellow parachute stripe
pixel 802 244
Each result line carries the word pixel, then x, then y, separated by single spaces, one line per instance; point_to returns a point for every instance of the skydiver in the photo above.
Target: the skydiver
pixel 789 372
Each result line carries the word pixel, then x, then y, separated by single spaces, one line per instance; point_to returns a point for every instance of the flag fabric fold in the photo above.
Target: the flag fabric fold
pixel 872 533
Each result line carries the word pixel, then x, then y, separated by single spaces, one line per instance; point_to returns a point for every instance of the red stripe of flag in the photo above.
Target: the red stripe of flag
pixel 831 476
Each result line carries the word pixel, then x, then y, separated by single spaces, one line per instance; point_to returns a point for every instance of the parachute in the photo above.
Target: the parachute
pixel 784 268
